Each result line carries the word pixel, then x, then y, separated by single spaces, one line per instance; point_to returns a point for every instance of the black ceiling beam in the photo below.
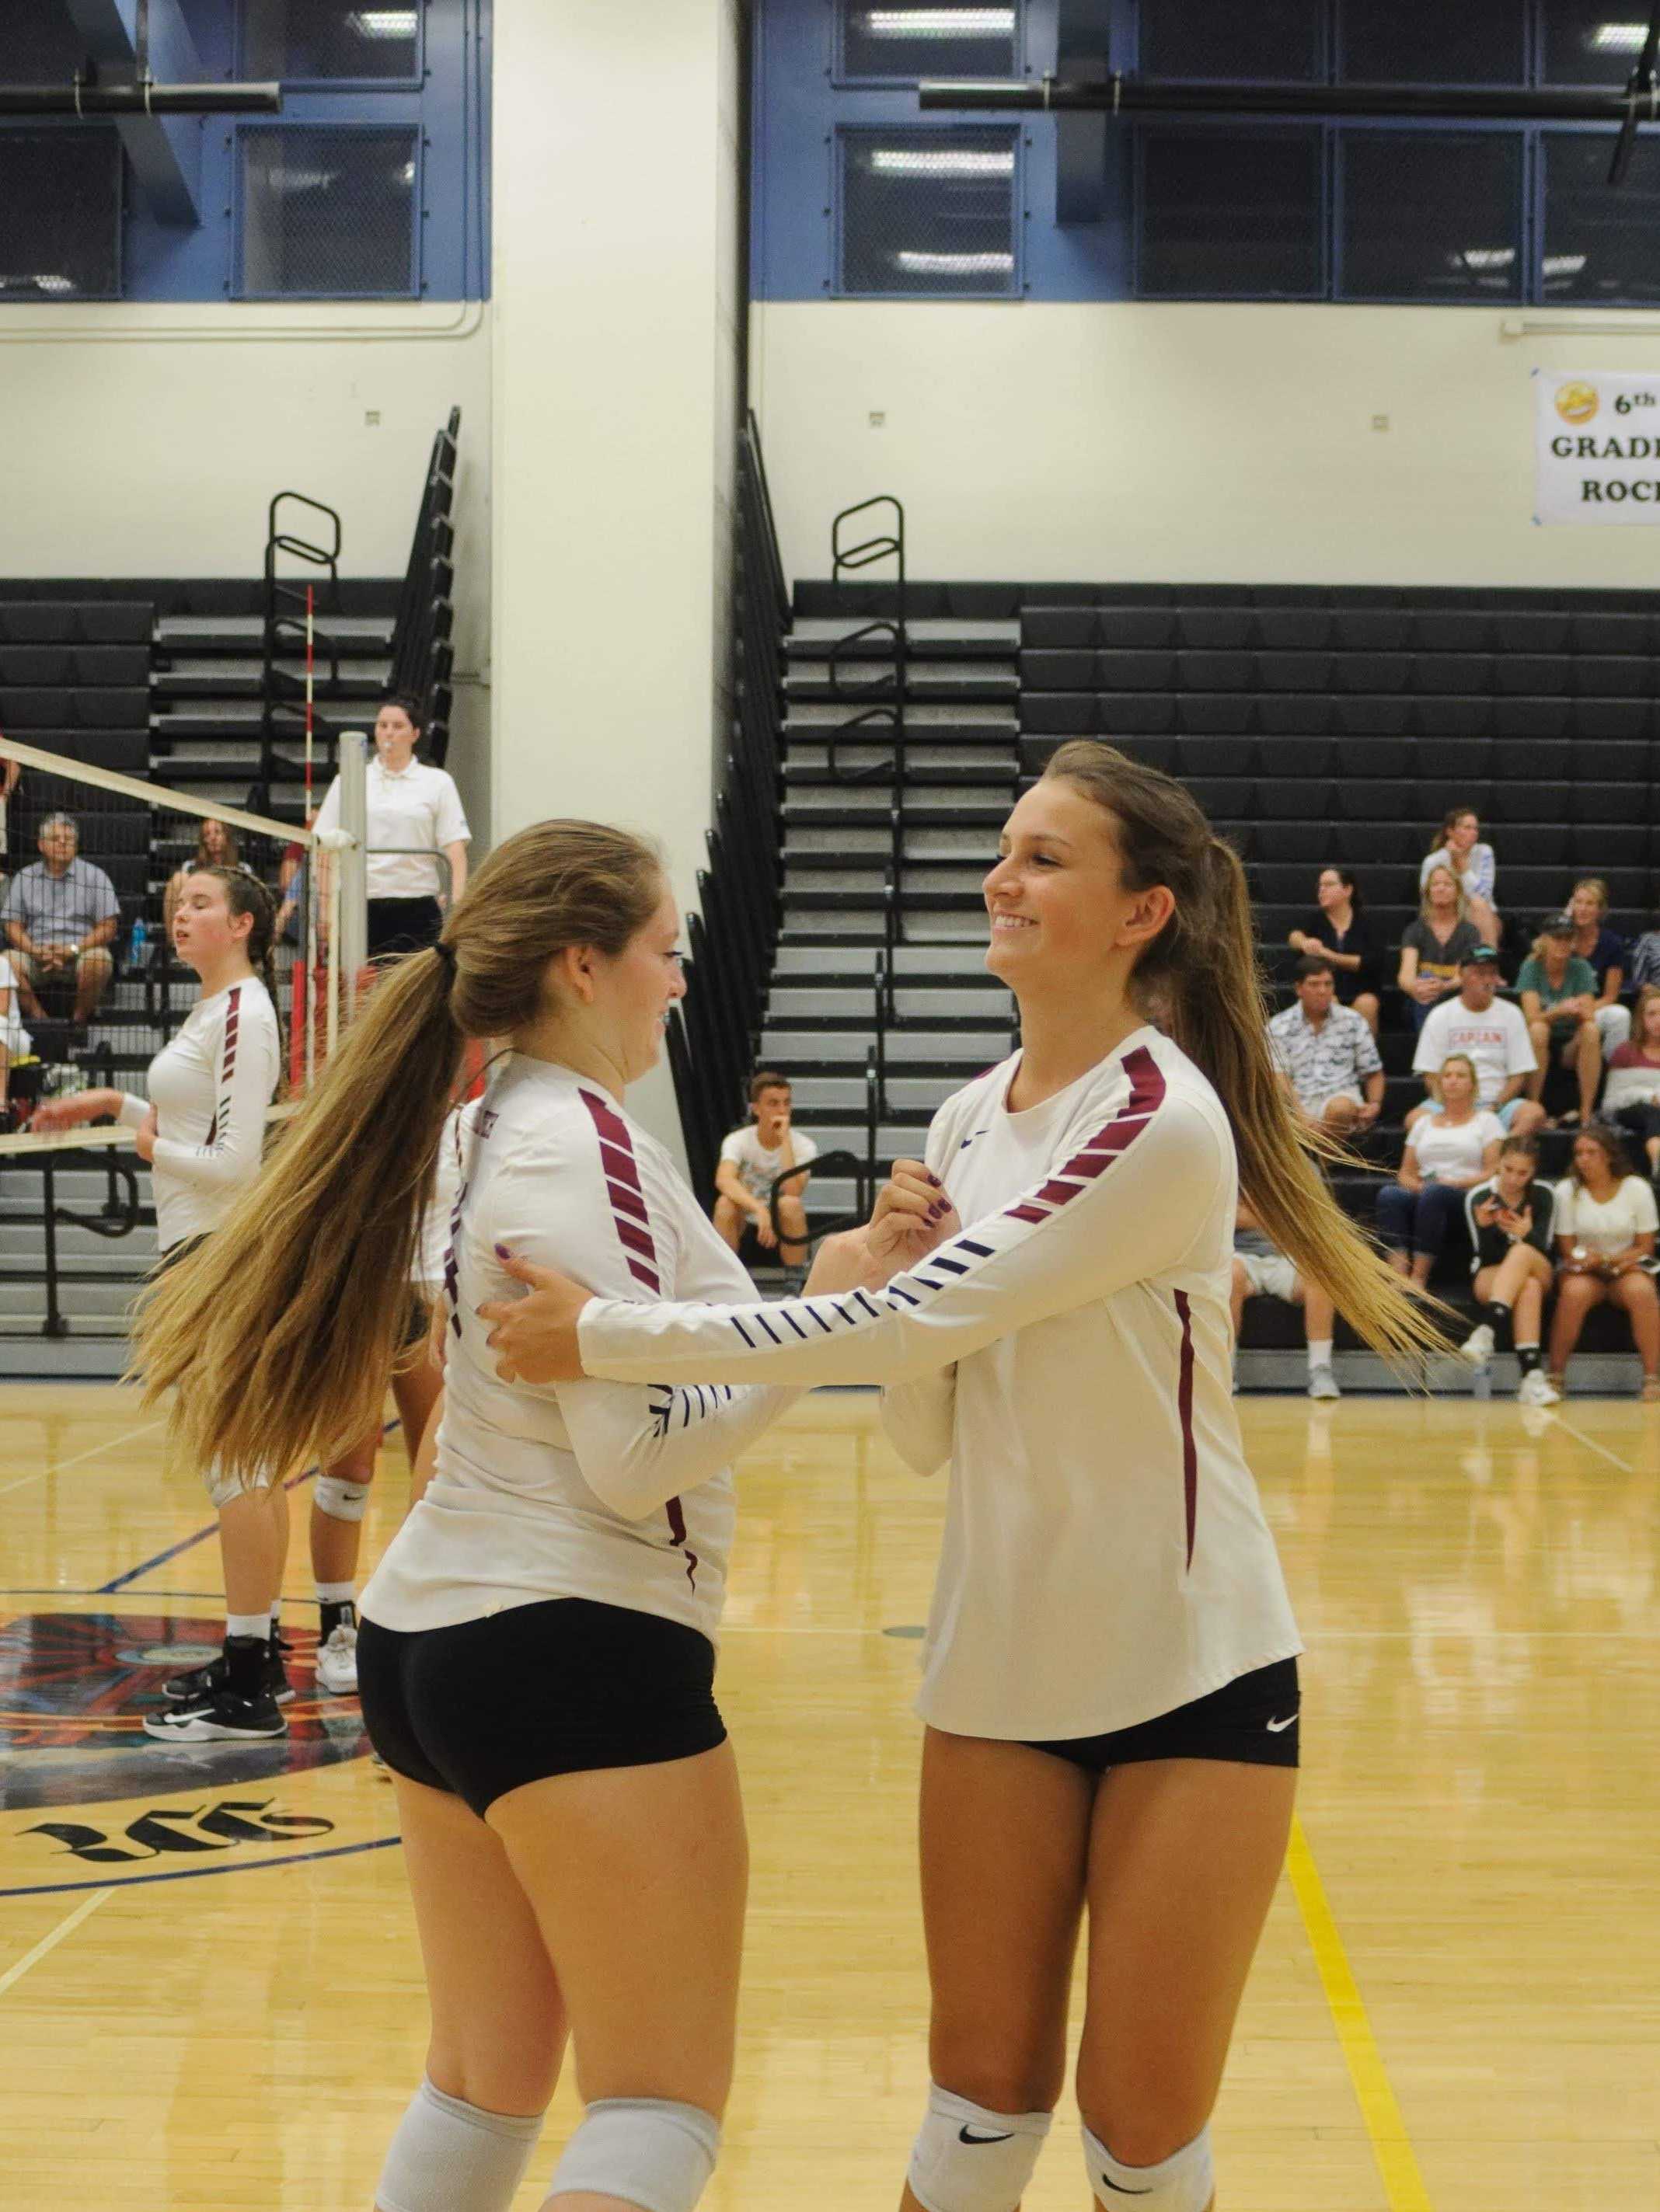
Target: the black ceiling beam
pixel 1132 95
pixel 130 97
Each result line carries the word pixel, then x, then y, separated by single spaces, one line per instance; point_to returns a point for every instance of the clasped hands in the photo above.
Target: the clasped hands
pixel 535 1337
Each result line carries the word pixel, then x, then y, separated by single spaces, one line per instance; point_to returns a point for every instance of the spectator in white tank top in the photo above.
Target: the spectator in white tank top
pixel 1605 1226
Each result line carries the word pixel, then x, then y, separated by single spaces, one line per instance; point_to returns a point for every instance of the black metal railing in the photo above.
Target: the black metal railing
pixel 422 656
pixel 714 1035
pixel 302 577
pixel 122 1212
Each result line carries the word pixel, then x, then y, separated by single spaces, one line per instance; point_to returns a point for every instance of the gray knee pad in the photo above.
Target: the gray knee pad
pixel 646 2150
pixel 969 2159
pixel 339 1500
pixel 450 2157
pixel 1183 2182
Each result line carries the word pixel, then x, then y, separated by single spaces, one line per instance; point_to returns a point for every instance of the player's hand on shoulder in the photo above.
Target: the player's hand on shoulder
pixel 534 1337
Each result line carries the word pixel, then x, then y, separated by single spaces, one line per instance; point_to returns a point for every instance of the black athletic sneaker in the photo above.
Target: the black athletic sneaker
pixel 221 1718
pixel 199 1683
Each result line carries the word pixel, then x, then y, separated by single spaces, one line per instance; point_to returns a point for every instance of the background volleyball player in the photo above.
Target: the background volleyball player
pixel 1109 1679
pixel 202 1128
pixel 535 1657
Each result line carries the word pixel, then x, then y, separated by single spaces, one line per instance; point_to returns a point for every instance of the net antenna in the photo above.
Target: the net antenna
pixel 1640 102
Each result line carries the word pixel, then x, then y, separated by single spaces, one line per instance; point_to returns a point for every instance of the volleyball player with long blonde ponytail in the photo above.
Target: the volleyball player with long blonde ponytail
pixel 1110 1681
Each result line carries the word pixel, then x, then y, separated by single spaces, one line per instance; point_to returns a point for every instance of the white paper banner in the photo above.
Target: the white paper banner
pixel 1596 447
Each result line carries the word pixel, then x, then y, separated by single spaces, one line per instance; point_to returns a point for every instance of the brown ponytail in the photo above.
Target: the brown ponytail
pixel 279 1332
pixel 246 894
pixel 1199 979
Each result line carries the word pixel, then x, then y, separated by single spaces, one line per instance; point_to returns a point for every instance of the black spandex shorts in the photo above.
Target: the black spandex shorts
pixel 562 1687
pixel 397 925
pixel 1252 1719
pixel 417 1319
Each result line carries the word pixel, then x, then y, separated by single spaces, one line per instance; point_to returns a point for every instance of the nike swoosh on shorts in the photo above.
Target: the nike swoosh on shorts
pixel 1275 1728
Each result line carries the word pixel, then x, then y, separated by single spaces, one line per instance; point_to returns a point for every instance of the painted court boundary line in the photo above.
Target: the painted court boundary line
pixel 67 1926
pixel 185 1874
pixel 1397 2163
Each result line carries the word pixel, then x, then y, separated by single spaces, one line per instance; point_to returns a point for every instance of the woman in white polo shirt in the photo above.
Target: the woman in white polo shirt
pixel 413 811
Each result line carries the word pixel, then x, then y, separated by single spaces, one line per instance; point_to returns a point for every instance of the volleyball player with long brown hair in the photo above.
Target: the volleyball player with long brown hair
pixel 1110 1684
pixel 536 1653
pixel 202 1130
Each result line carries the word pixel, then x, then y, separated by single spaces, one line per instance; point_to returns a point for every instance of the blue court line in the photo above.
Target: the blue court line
pixel 188 1543
pixel 195 1874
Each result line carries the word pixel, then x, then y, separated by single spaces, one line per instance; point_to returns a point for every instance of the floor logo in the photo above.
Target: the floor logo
pixel 74 1691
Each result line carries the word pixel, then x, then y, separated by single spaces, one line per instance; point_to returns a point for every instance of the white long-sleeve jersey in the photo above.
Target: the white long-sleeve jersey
pixel 210 1086
pixel 621 1493
pixel 1105 1555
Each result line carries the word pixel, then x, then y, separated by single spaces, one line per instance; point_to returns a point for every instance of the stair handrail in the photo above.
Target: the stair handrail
pixel 847 559
pixel 288 625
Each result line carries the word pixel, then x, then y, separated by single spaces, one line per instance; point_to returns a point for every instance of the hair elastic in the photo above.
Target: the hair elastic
pixel 447 954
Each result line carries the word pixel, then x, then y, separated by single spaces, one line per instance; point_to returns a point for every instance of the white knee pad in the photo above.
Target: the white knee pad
pixel 1183 2182
pixel 222 1487
pixel 646 2150
pixel 450 2157
pixel 340 1500
pixel 968 2159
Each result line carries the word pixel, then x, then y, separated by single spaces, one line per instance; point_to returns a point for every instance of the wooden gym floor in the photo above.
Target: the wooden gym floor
pixel 208 1988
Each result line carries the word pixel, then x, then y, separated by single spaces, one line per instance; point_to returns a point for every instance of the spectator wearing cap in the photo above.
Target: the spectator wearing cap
pixel 1493 1034
pixel 1326 1054
pixel 60 916
pixel 1605 949
pixel 1557 991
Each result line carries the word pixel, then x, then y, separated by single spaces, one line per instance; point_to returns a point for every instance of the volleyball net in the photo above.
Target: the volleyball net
pixel 91 984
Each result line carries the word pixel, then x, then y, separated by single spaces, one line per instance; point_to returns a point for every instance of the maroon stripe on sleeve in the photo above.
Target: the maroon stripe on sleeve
pixel 625 1200
pixel 1184 1407
pixel 1107 1144
pixel 617 1164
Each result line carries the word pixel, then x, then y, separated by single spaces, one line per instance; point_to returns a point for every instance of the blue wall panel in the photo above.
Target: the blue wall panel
pixel 450 107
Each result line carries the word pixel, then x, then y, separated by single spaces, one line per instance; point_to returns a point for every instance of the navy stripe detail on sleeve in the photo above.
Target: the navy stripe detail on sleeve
pixel 760 1322
pixel 742 1332
pixel 967 1244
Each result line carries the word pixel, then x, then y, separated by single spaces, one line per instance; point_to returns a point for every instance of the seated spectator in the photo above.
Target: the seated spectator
pixel 1447 1154
pixel 1605 949
pixel 15 1043
pixel 1459 847
pixel 1605 1227
pixel 1509 1217
pixel 1341 929
pixel 1435 947
pixel 1557 991
pixel 1325 1053
pixel 1261 1271
pixel 216 847
pixel 751 1160
pixel 1645 957
pixel 1493 1034
pixel 1631 1097
pixel 60 916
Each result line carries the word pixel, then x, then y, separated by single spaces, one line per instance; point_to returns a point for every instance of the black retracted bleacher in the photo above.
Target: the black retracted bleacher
pixel 1319 724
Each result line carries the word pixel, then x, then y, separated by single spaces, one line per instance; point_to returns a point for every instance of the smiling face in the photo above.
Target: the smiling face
pixel 395 737
pixel 628 997
pixel 1061 920
pixel 205 933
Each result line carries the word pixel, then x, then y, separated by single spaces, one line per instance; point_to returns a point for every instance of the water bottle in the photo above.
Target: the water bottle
pixel 140 943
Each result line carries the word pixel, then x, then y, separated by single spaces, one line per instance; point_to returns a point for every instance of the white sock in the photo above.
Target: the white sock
pixel 248 1624
pixel 336 1592
pixel 276 1617
pixel 1320 1350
